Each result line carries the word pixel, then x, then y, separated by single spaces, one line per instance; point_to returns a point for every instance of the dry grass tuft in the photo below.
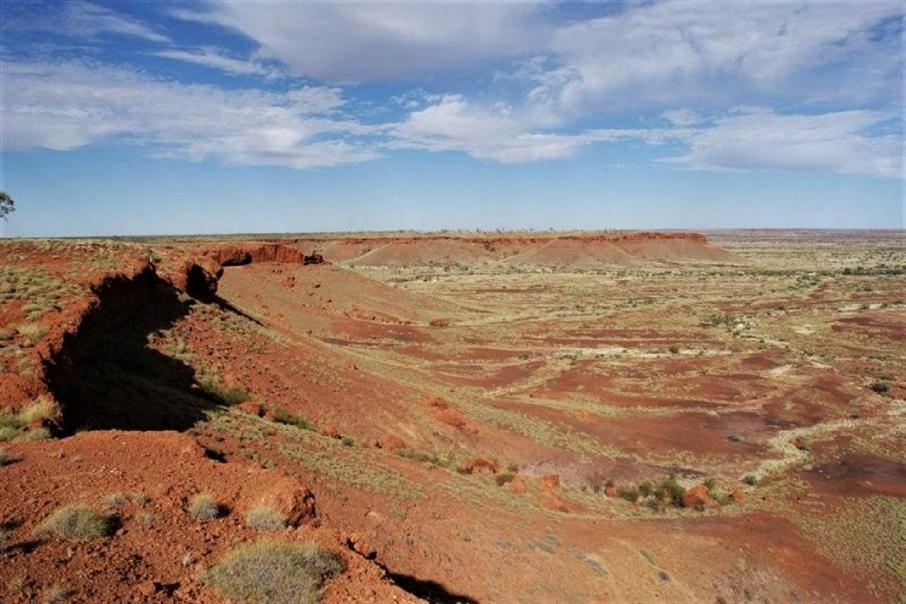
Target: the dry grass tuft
pixel 77 521
pixel 204 507
pixel 274 572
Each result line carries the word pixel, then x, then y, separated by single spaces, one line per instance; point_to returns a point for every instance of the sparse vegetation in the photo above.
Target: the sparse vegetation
pixel 265 518
pixel 204 506
pixel 76 522
pixel 272 571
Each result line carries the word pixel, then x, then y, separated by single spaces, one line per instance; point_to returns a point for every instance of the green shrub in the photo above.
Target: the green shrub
pixel 204 507
pixel 264 518
pixel 77 521
pixel 4 457
pixel 503 478
pixel 271 571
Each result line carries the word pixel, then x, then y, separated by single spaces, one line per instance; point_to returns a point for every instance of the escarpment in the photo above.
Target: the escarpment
pixel 95 361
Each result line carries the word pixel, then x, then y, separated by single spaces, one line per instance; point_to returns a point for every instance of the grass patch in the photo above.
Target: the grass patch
pixel 263 518
pixel 76 522
pixel 274 571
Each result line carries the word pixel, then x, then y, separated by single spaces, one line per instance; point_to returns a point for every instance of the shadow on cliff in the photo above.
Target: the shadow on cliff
pixel 105 375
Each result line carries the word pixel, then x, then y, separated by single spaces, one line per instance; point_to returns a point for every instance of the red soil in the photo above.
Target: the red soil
pixel 159 551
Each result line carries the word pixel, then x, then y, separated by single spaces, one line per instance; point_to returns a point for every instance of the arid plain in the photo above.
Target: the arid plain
pixel 459 417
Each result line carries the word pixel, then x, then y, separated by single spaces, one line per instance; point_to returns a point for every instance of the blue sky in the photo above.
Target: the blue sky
pixel 207 117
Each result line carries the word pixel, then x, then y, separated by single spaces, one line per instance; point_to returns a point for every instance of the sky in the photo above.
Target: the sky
pixel 211 116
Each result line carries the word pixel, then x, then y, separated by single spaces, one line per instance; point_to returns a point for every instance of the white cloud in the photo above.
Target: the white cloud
pixel 67 105
pixel 745 139
pixel 682 117
pixel 212 57
pixel 343 42
pixel 755 139
pixel 87 20
pixel 452 124
pixel 664 51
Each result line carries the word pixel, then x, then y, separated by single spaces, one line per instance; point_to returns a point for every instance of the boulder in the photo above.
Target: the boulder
pixel 698 497
pixel 293 501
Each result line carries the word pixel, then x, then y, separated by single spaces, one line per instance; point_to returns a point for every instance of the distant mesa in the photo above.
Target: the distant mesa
pixel 554 250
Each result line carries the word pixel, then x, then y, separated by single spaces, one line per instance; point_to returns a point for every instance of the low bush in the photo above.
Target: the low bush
pixel 881 387
pixel 77 521
pixel 271 571
pixel 264 518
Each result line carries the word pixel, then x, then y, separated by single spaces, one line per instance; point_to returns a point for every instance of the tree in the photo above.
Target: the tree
pixel 7 205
